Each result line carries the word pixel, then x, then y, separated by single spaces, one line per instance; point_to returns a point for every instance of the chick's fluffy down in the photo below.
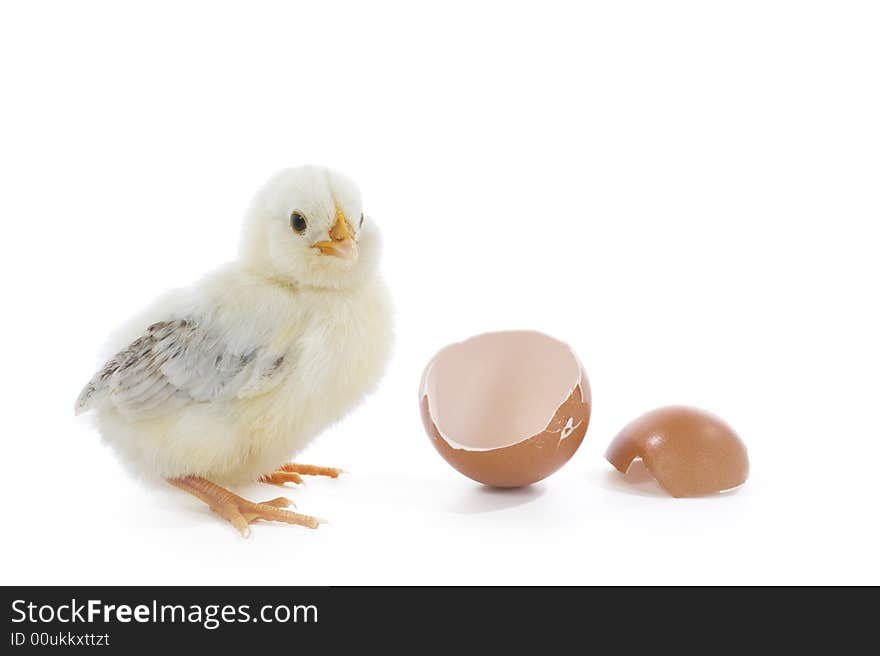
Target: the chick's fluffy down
pixel 334 347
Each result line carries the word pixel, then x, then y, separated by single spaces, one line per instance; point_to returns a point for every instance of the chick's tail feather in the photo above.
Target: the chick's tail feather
pixel 84 400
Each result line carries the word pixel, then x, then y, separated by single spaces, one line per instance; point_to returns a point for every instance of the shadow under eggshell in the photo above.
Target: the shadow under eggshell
pixel 689 452
pixel 529 460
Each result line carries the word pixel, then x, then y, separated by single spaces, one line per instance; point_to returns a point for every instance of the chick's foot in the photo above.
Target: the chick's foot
pixel 293 473
pixel 239 511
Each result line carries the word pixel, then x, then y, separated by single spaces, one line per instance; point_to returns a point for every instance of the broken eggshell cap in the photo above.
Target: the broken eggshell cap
pixel 689 452
pixel 507 408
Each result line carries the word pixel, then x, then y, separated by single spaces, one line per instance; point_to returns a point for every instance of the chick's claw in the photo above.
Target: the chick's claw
pixel 237 510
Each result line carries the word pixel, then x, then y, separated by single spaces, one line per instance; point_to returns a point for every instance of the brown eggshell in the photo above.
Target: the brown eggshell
pixel 515 406
pixel 689 451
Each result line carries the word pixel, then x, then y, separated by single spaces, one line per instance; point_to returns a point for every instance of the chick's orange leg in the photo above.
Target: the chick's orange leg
pixel 293 473
pixel 237 510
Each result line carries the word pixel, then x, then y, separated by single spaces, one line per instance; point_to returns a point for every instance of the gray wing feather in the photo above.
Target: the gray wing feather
pixel 175 363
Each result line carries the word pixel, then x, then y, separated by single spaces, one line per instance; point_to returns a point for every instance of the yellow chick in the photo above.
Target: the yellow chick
pixel 220 383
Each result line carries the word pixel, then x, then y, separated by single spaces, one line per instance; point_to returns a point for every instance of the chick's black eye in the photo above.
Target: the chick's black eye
pixel 298 222
pixel 362 221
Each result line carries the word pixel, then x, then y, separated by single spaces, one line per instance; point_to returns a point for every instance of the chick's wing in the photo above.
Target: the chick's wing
pixel 178 362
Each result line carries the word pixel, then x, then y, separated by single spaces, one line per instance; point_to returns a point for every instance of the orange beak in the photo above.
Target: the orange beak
pixel 342 243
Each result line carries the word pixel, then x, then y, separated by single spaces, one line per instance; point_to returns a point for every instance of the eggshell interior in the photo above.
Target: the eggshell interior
pixel 507 408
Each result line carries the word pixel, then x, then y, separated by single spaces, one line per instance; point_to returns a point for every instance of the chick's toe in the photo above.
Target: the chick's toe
pixel 312 470
pixel 281 477
pixel 293 473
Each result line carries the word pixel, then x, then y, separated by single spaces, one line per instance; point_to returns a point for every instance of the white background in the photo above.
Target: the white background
pixel 687 192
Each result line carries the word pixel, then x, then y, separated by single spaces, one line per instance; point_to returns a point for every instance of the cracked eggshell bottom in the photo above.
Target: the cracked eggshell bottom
pixel 506 409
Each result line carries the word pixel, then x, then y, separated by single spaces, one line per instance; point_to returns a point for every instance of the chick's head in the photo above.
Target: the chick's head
pixel 306 226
